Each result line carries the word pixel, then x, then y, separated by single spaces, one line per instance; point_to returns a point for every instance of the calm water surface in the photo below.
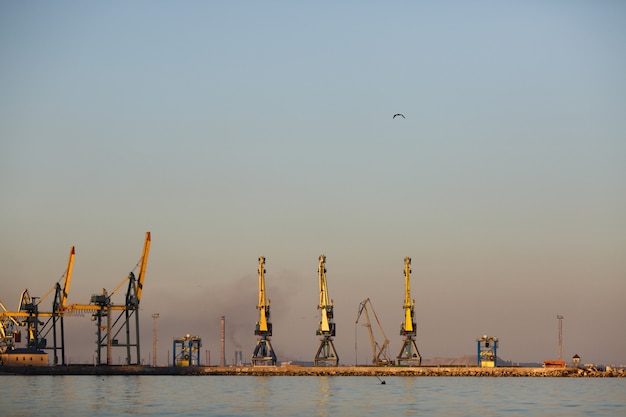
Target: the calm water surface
pixel 309 396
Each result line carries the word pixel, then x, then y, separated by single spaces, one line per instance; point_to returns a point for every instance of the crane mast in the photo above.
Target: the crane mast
pixel 408 327
pixel 326 353
pixel 263 352
pixel 60 302
pixel 409 353
pixel 142 267
pixel 264 304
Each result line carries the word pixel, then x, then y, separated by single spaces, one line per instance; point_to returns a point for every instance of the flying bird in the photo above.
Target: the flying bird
pixel 398 114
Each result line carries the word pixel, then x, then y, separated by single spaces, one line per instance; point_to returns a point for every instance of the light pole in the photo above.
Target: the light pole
pixel 560 319
pixel 155 316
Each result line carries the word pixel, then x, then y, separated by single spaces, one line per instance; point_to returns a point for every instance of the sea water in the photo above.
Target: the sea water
pixel 95 396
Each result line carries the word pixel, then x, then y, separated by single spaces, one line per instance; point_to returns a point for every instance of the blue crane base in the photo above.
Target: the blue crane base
pixel 409 354
pixel 263 353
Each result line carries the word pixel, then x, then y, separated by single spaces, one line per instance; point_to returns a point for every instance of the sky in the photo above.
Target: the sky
pixel 233 130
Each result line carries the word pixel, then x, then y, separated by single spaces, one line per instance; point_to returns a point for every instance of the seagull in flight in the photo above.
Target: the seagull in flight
pixel 398 114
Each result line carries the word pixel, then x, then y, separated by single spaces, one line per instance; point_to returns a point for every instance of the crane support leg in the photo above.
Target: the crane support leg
pixel 264 353
pixel 409 353
pixel 326 354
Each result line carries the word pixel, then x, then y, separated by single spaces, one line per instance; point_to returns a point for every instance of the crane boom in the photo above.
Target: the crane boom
pixel 24 300
pixel 68 279
pixel 408 326
pixel 143 266
pixel 325 304
pixel 264 327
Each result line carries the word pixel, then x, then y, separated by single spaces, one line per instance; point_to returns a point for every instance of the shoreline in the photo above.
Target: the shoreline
pixel 421 371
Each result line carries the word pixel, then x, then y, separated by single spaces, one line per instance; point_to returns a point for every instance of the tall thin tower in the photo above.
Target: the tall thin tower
pixel 223 342
pixel 155 338
pixel 560 319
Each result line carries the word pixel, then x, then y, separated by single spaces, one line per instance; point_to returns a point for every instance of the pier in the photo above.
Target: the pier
pixel 421 371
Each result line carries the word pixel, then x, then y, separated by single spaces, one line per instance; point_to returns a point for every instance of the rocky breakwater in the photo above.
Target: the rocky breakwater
pixel 317 371
pixel 598 373
pixel 411 371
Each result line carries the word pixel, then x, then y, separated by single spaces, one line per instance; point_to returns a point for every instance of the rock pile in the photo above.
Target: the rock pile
pixel 318 371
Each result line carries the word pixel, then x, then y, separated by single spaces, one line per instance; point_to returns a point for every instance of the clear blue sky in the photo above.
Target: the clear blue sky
pixel 232 130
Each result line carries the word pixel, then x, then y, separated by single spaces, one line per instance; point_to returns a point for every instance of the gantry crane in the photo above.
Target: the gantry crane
pixel 326 353
pixel 186 351
pixel 263 352
pixel 28 314
pixel 409 353
pixel 102 310
pixel 380 356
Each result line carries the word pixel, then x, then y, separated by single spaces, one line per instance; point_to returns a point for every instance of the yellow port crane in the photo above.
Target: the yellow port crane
pixel 101 307
pixel 326 353
pixel 8 330
pixel 28 314
pixel 109 328
pixel 409 353
pixel 380 356
pixel 263 352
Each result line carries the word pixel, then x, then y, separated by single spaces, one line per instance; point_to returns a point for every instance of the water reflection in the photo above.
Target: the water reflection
pixel 278 396
pixel 324 395
pixel 264 393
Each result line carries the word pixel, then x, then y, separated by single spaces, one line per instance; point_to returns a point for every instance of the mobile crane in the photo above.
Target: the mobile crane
pixel 263 352
pixel 380 356
pixel 409 353
pixel 326 353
